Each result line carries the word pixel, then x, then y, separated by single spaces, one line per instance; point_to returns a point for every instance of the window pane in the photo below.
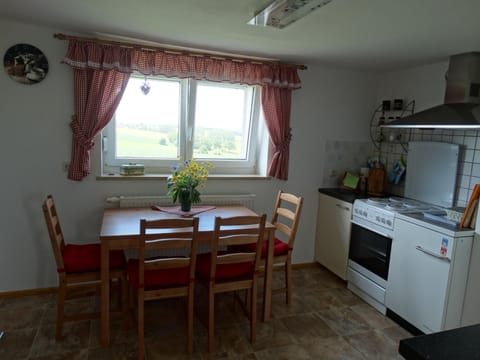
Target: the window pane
pixel 222 122
pixel 147 126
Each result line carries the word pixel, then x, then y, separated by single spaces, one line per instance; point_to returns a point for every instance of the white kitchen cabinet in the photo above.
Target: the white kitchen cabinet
pixel 333 234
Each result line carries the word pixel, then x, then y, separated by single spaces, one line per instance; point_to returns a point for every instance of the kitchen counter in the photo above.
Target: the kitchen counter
pixel 343 194
pixel 459 344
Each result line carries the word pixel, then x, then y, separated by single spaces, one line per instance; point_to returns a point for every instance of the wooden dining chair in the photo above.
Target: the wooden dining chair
pixel 78 268
pixel 286 215
pixel 167 276
pixel 227 271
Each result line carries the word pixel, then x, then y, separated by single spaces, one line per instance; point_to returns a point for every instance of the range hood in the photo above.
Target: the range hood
pixel 461 107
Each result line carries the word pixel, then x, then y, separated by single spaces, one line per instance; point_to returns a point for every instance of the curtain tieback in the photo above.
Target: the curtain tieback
pixel 79 135
pixel 283 146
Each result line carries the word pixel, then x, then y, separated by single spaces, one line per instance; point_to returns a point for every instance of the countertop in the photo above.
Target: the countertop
pixel 343 194
pixel 459 344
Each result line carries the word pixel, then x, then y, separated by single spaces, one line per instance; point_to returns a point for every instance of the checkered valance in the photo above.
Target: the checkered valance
pixel 88 53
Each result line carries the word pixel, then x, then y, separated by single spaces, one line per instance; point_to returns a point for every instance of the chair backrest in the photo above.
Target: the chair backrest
pixel 234 233
pixel 286 214
pixel 168 234
pixel 54 230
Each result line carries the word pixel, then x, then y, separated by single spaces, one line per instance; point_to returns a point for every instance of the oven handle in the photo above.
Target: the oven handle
pixel 372 230
pixel 379 254
pixel 431 253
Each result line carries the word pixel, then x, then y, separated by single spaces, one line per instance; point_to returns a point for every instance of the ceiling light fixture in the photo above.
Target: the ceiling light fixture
pixel 281 13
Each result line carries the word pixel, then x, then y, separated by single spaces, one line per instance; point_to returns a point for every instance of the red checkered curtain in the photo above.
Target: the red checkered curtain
pixel 97 95
pixel 276 103
pixel 102 71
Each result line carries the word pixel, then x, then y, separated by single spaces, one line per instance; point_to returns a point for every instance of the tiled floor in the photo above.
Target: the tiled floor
pixel 325 321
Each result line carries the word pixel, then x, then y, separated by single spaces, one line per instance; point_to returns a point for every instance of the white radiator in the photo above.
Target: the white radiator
pixel 247 200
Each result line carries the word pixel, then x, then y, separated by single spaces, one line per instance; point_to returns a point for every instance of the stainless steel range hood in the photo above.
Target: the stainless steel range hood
pixel 461 107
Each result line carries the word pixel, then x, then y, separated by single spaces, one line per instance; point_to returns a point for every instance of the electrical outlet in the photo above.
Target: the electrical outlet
pixel 66 166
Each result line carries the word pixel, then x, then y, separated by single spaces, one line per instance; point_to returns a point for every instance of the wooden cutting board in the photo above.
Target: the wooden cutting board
pixel 376 182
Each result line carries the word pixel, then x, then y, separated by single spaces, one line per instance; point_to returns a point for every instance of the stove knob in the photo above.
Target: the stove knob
pixel 383 220
pixel 365 213
pixel 389 222
pixel 377 218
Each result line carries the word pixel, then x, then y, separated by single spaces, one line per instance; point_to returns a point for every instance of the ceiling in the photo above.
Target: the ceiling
pixel 358 34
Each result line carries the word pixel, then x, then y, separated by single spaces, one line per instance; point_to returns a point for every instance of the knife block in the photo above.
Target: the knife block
pixel 376 182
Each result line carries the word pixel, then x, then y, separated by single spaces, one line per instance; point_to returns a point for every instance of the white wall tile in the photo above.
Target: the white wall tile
pixel 467 155
pixel 474 180
pixel 470 142
pixel 463 181
pixel 476 170
pixel 457 139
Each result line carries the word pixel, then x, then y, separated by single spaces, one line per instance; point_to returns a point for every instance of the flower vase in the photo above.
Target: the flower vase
pixel 185 200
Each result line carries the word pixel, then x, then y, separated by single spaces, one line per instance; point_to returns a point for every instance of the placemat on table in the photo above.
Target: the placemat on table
pixel 178 211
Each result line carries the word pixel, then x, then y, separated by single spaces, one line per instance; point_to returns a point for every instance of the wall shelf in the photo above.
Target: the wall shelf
pixel 378 135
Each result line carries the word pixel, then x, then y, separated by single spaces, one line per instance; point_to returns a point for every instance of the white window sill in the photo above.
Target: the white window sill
pixel 165 176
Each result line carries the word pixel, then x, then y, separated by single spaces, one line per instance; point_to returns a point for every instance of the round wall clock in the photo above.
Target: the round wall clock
pixel 25 63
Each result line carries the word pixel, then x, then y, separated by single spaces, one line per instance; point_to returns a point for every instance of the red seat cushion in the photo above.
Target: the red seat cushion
pixel 279 248
pixel 224 271
pixel 81 258
pixel 161 278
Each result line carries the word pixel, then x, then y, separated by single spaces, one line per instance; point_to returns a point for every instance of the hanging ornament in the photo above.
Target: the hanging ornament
pixel 145 87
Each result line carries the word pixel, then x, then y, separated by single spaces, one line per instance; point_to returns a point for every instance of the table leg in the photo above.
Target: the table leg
pixel 105 296
pixel 267 289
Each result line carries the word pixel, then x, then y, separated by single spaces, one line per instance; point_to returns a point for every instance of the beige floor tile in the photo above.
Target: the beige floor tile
pixel 344 321
pixel 308 328
pixel 20 319
pixel 333 348
pixel 269 334
pixel 372 317
pixel 229 342
pixel 374 345
pixel 169 347
pixel 75 339
pixel 324 321
pixel 16 344
pixel 396 333
pixel 287 352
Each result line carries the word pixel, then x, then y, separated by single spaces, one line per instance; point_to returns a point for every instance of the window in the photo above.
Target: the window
pixel 161 120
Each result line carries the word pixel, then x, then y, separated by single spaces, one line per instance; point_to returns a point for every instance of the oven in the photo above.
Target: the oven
pixel 370 250
pixel 369 253
pixel 371 237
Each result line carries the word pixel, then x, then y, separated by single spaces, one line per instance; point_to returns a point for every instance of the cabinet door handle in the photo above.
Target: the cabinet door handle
pixel 431 253
pixel 343 207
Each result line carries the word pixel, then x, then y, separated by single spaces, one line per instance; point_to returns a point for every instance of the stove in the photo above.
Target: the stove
pixel 373 222
pixel 381 212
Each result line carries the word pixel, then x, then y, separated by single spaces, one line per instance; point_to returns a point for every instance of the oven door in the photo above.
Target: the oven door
pixel 370 250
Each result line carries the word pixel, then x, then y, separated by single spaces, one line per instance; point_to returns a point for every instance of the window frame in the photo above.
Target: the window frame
pixel 257 135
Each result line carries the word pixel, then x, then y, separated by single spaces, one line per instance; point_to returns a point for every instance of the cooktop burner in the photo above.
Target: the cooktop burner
pixel 378 201
pixel 395 206
pixel 398 204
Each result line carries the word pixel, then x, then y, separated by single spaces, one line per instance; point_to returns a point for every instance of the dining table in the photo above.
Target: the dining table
pixel 120 230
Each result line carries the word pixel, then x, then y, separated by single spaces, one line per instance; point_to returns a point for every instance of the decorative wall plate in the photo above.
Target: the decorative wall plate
pixel 25 63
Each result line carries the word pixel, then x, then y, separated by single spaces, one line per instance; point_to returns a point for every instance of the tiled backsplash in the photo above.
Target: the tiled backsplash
pixel 468 173
pixel 341 156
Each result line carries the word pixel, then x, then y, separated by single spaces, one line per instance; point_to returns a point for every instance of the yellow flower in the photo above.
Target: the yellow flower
pixel 192 175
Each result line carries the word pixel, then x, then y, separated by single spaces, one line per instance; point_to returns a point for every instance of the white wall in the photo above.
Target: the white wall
pixel 35 140
pixel 424 84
